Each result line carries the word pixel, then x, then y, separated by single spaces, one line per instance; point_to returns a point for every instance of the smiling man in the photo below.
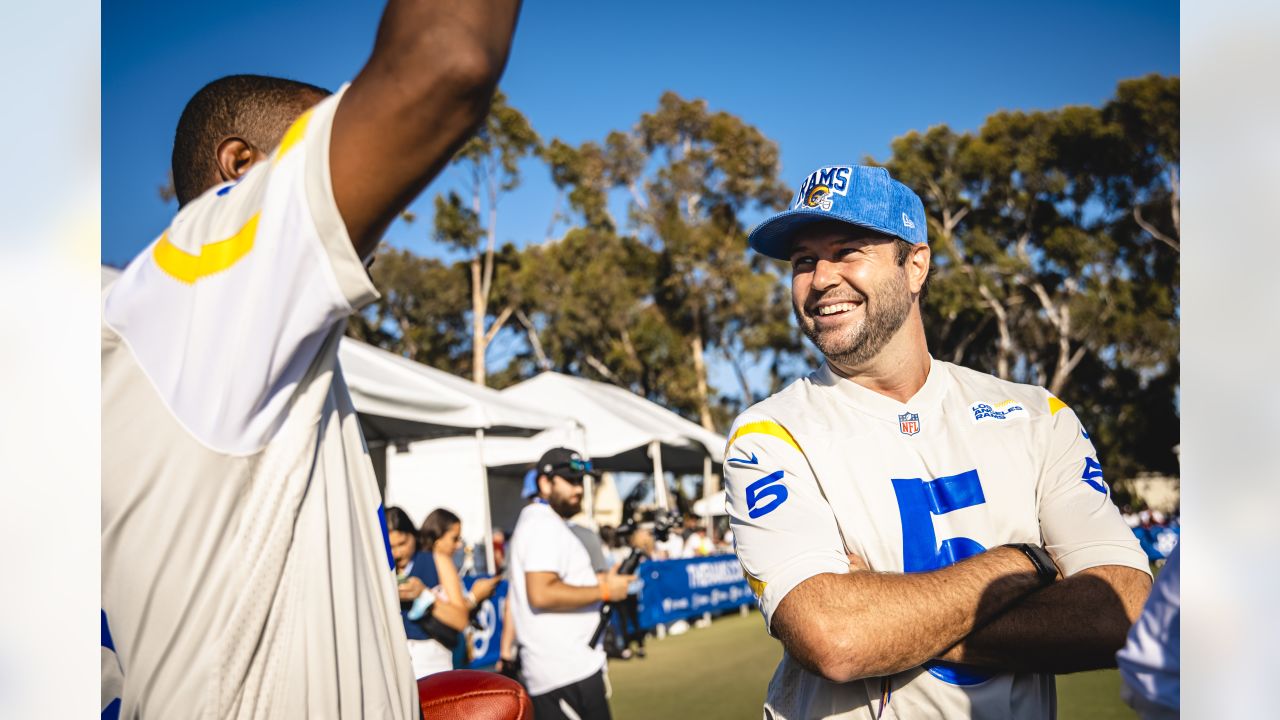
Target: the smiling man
pixel 927 541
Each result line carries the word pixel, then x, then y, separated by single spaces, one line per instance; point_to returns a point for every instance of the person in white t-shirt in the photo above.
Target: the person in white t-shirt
pixel 245 566
pixel 556 595
pixel 926 541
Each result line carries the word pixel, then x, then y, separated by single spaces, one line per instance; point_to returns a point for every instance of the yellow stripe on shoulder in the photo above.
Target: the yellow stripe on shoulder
pixel 1055 405
pixel 764 427
pixel 212 258
pixel 293 135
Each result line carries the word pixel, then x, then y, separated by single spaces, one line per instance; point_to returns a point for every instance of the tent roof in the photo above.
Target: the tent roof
pixel 400 399
pixel 619 425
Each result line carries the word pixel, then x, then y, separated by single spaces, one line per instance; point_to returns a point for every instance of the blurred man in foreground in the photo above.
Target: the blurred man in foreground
pixel 244 570
pixel 904 521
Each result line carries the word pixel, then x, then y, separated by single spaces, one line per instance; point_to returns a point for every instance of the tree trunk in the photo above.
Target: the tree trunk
pixel 534 342
pixel 477 325
pixel 1005 347
pixel 700 371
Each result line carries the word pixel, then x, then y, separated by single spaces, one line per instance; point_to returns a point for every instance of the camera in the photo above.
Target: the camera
pixel 663 522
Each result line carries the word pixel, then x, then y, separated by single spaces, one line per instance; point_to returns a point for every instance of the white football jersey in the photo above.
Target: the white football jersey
pixel 969 463
pixel 245 572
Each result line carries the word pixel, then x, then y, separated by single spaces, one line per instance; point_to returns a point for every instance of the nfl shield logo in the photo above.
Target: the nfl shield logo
pixel 909 423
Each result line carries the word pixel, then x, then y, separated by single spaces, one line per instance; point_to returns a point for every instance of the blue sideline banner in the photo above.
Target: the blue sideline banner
pixel 486 644
pixel 681 589
pixel 1157 541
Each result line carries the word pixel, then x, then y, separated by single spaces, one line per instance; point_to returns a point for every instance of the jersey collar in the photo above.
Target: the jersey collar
pixel 927 399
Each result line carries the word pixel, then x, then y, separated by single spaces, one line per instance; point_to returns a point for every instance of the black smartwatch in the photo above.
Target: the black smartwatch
pixel 1045 567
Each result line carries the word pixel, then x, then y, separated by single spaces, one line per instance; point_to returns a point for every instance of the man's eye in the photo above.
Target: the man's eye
pixel 802 260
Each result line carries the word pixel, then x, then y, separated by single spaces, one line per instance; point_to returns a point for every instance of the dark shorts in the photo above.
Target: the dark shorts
pixel 583 700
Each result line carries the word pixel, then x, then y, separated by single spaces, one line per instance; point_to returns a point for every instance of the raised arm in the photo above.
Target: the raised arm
pixel 427 84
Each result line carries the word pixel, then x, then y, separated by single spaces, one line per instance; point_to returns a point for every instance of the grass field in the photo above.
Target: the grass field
pixel 721 672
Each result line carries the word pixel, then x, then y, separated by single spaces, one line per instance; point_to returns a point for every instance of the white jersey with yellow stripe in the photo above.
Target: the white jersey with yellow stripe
pixel 968 463
pixel 245 572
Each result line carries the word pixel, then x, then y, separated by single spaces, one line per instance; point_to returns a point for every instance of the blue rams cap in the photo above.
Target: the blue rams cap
pixel 856 194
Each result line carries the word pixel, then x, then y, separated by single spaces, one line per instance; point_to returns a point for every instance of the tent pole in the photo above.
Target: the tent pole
pixel 484 493
pixel 659 482
pixel 589 488
pixel 707 491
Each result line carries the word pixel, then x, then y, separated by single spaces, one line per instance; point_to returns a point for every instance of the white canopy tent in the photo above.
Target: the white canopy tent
pixel 619 430
pixel 625 432
pixel 400 401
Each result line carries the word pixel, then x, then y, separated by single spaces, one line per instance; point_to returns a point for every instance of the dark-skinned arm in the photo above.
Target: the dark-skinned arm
pixel 426 86
pixel 865 624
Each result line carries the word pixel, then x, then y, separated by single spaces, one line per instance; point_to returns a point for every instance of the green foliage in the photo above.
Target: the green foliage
pixel 1049 261
pixel 421 312
pixel 1054 237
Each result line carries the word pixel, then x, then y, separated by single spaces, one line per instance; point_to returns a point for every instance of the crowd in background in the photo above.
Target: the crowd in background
pixel 432 561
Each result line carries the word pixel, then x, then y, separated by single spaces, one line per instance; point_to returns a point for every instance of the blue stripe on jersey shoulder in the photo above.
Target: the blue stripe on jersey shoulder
pixel 386 537
pixel 106 634
pixel 112 710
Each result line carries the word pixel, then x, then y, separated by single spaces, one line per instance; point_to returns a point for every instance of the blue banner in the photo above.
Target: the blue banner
pixel 1157 541
pixel 486 644
pixel 682 589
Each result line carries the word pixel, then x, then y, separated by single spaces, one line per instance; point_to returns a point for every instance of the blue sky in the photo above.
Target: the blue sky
pixel 830 82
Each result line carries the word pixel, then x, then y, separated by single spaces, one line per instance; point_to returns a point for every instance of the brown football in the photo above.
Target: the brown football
pixel 473 695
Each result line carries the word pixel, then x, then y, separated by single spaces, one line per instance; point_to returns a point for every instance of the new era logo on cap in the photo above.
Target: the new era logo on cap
pixel 860 195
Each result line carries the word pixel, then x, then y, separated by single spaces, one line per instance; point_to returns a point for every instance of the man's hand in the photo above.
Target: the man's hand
pixel 856 563
pixel 410 589
pixel 426 86
pixel 1075 624
pixel 616 585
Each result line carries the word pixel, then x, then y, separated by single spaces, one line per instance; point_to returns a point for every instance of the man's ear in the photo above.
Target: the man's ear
pixel 918 267
pixel 235 157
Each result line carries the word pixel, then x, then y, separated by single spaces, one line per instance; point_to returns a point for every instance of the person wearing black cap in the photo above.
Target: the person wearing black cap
pixel 925 540
pixel 556 595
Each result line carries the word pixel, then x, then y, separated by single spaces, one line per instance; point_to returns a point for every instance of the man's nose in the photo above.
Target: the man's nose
pixel 826 275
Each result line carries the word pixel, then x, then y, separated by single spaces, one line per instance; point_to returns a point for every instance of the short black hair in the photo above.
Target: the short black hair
pixel 256 108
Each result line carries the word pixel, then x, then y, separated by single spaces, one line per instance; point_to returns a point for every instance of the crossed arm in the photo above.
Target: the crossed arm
pixel 983 611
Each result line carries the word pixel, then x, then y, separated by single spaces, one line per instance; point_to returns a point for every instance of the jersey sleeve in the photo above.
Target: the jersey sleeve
pixel 226 311
pixel 1082 527
pixel 784 531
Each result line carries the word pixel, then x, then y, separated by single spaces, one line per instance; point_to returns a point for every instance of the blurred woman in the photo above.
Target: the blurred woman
pixel 439 538
pixel 416 575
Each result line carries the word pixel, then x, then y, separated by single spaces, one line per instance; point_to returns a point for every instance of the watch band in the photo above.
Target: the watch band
pixel 1046 569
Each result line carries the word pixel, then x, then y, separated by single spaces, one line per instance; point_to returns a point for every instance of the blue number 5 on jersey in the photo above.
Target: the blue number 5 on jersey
pixel 770 486
pixel 918 502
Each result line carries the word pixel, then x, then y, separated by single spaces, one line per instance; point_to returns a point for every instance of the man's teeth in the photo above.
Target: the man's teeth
pixel 833 309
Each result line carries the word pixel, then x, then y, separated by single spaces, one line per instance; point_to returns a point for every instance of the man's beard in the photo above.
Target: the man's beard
pixel 564 507
pixel 852 346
